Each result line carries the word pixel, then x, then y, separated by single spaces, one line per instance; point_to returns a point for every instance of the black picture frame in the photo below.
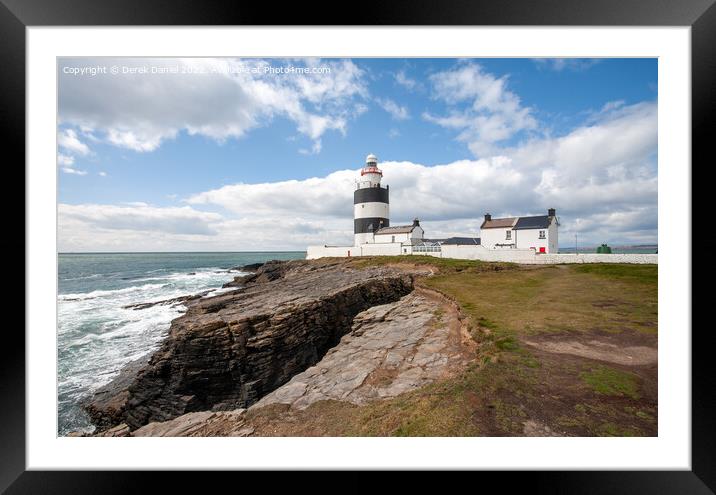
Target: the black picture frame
pixel 700 15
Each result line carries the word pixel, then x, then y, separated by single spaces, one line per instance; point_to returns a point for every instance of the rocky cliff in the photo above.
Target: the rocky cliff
pixel 391 350
pixel 227 352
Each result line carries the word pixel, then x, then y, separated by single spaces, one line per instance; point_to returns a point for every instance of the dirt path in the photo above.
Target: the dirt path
pixel 593 383
pixel 629 349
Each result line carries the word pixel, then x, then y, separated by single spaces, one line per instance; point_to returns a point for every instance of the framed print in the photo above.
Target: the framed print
pixel 454 238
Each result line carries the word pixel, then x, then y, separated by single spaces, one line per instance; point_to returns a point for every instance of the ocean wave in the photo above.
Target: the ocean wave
pixel 85 277
pixel 203 275
pixel 100 334
pixel 108 293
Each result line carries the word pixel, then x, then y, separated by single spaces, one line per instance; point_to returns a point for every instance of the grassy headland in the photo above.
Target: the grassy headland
pixel 562 350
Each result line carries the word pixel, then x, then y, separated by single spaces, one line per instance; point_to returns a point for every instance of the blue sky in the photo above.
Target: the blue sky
pixel 200 161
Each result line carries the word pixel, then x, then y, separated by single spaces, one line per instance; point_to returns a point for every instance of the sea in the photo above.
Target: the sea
pixel 97 334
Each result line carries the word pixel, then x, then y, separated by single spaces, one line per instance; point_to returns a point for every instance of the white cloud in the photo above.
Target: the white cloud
pixel 315 148
pixel 67 140
pixel 612 105
pixel 396 111
pixel 619 140
pixel 74 171
pixel 601 177
pixel 560 64
pixel 146 228
pixel 221 99
pixel 483 110
pixel 139 217
pixel 70 145
pixel 65 160
pixel 315 196
pixel 408 83
pixel 139 139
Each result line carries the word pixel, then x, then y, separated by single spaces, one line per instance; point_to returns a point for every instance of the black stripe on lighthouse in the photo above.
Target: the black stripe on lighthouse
pixel 370 224
pixel 370 195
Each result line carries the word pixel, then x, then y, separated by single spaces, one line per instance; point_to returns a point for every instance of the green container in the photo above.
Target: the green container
pixel 604 249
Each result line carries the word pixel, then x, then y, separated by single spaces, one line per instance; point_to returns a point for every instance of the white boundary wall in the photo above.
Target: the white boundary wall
pixel 314 252
pixel 377 249
pixel 480 253
pixel 525 256
pixel 642 259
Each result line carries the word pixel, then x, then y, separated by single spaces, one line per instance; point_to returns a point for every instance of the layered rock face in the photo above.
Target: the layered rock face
pixel 262 273
pixel 107 406
pixel 228 351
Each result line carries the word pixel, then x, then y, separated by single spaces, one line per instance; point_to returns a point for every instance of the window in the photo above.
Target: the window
pixel 508 235
pixel 541 234
pixel 392 238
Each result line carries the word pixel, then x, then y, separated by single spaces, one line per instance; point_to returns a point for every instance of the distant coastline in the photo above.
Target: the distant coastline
pixel 183 252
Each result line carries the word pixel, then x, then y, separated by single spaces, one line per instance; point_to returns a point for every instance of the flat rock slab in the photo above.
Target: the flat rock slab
pixel 532 428
pixel 391 349
pixel 199 424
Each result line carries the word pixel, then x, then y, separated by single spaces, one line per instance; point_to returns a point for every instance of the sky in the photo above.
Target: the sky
pixel 226 154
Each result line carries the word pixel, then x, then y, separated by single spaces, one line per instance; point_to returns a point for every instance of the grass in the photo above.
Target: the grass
pixel 645 274
pixel 609 429
pixel 610 381
pixel 555 299
pixel 444 265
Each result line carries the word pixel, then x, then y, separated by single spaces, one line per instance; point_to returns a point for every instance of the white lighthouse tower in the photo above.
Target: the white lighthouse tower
pixel 370 202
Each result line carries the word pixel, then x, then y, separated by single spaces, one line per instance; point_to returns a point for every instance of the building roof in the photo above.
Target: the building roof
pixel 498 223
pixel 540 222
pixel 398 229
pixel 461 241
pixel 518 223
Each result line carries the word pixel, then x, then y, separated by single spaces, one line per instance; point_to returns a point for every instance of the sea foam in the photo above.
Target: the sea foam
pixel 98 334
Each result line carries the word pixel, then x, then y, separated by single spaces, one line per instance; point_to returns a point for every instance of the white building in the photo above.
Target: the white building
pixel 404 234
pixel 539 233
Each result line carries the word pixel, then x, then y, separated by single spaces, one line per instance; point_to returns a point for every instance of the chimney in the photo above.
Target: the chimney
pixel 551 212
pixel 488 217
pixel 416 222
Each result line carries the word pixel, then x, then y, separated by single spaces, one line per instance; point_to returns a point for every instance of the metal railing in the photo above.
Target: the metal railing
pixel 427 249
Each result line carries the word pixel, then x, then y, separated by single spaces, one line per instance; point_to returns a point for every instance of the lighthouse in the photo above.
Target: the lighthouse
pixel 370 202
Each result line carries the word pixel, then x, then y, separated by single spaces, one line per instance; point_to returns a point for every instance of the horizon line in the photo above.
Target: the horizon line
pixel 181 252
